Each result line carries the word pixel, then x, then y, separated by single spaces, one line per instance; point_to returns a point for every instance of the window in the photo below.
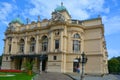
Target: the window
pixel 77 36
pixel 9 48
pixel 6 58
pixel 56 44
pixel 21 45
pixel 32 45
pixel 54 57
pixel 76 43
pixel 44 43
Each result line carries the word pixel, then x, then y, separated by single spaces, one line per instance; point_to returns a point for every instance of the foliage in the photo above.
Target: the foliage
pixel 29 65
pixel 0 60
pixel 18 76
pixel 114 65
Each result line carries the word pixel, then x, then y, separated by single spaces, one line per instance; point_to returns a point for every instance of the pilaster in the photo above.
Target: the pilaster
pixel 26 45
pixel 37 44
pixel 6 46
pixel 51 42
pixel 61 41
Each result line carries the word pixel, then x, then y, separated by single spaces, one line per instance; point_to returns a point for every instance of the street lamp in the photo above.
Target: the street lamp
pixel 83 61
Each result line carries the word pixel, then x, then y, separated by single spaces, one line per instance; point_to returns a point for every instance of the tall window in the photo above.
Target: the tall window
pixel 9 48
pixel 56 44
pixel 32 45
pixel 76 43
pixel 10 41
pixel 44 43
pixel 22 45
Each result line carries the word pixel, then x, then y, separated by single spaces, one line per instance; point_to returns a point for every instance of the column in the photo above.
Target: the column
pixel 41 66
pixel 23 64
pixel 51 42
pixel 37 44
pixel 26 46
pixel 6 46
pixel 35 65
pixel 61 41
pixel 12 46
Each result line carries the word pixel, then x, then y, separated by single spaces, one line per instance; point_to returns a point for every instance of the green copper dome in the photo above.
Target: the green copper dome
pixel 17 20
pixel 60 8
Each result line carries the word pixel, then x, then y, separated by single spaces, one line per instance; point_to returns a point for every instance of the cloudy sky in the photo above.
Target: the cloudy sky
pixel 109 10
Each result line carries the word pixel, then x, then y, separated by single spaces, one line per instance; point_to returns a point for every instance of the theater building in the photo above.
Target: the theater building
pixel 53 45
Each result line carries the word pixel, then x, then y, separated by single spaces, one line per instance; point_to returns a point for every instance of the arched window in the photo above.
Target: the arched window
pixel 44 43
pixel 76 43
pixel 32 45
pixel 22 45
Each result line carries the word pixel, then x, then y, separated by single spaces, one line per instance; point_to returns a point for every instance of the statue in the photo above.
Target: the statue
pixel 57 16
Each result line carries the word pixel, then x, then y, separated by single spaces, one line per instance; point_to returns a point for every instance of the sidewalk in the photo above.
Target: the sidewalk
pixel 51 76
pixel 76 76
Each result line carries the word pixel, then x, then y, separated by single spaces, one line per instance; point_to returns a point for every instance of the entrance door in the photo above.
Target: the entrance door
pixel 75 65
pixel 44 65
pixel 43 62
pixel 18 63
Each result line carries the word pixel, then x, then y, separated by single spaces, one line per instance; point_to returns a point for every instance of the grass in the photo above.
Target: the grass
pixel 18 76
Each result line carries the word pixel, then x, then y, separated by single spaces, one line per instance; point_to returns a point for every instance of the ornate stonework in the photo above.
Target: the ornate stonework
pixel 54 44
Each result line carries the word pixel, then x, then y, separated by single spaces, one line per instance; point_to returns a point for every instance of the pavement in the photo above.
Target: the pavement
pixel 51 76
pixel 73 76
pixel 76 76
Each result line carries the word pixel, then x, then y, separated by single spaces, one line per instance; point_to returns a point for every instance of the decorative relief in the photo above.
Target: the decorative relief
pixel 57 32
pixel 57 16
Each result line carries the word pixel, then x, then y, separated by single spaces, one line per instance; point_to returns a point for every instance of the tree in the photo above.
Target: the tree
pixel 0 60
pixel 29 67
pixel 114 65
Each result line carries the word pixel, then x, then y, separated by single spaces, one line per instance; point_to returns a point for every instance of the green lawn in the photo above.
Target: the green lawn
pixel 18 76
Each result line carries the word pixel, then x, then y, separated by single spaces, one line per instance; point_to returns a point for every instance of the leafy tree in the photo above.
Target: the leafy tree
pixel 0 60
pixel 114 65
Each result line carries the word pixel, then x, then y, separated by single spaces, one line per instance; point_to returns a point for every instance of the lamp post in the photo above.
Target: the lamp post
pixel 82 60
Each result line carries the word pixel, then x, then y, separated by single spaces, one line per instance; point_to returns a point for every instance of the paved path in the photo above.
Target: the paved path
pixel 73 76
pixel 76 76
pixel 51 76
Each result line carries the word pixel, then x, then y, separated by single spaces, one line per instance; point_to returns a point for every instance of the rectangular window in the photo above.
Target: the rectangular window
pixel 56 44
pixel 44 46
pixel 21 47
pixel 32 47
pixel 76 45
pixel 54 57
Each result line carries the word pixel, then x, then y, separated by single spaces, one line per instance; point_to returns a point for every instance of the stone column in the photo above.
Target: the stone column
pixel 35 65
pixel 13 48
pixel 41 66
pixel 23 63
pixel 61 41
pixel 51 42
pixel 37 44
pixel 6 46
pixel 26 45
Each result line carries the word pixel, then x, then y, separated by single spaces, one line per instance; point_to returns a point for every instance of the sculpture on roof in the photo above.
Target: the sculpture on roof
pixel 58 17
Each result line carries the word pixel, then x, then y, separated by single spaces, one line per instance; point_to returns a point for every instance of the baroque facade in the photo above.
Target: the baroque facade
pixel 53 45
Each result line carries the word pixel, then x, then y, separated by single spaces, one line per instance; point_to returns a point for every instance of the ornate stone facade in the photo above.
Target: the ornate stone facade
pixel 53 45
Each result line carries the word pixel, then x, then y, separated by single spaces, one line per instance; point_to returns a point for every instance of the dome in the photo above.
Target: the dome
pixel 60 8
pixel 17 20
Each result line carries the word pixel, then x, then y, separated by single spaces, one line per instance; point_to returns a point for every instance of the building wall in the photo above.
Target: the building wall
pixel 91 40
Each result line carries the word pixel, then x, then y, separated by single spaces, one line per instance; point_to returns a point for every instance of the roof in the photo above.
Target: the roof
pixel 60 8
pixel 17 20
